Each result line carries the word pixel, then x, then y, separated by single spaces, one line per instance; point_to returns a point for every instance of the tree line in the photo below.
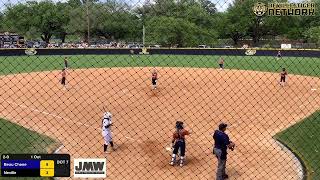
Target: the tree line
pixel 167 22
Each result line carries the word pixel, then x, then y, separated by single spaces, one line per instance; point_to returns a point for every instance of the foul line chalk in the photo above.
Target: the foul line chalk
pixel 127 137
pixel 48 114
pixel 57 150
pixel 136 140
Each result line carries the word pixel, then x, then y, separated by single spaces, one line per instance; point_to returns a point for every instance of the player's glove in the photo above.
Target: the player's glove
pixel 231 146
pixel 108 126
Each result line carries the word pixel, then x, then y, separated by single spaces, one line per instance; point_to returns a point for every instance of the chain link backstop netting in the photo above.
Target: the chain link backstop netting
pixel 116 79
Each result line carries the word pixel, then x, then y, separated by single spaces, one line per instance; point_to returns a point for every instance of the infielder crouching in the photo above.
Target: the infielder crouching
pixel 106 131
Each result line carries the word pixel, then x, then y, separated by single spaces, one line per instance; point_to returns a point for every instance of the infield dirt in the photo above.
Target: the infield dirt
pixel 254 105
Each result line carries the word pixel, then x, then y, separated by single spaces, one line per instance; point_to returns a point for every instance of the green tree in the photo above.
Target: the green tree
pixel 209 6
pixel 85 16
pixel 118 26
pixel 63 10
pixel 1 20
pixel 241 22
pixel 34 19
pixel 177 32
pixel 162 19
pixel 110 20
pixel 117 22
pixel 313 34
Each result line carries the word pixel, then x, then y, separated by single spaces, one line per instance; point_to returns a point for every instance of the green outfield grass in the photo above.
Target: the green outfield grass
pixel 25 141
pixel 303 139
pixel 294 65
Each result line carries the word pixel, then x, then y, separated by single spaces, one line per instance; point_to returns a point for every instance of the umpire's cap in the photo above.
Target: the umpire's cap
pixel 222 126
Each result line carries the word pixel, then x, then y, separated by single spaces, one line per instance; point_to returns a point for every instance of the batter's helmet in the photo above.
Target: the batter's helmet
pixel 107 115
pixel 179 125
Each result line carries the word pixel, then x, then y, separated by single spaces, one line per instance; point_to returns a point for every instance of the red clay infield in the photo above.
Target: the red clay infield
pixel 252 103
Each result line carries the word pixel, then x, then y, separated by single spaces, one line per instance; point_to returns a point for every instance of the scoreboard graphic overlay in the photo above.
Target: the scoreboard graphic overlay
pixel 35 165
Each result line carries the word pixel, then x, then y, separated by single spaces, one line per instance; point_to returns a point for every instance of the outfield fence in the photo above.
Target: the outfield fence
pixel 154 113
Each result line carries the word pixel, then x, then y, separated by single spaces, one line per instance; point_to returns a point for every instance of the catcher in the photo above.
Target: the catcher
pixel 178 143
pixel 221 144
pixel 106 131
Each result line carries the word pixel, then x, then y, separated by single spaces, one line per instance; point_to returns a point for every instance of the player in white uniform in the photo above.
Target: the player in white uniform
pixel 106 131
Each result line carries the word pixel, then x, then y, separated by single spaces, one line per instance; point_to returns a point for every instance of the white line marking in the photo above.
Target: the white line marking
pixel 57 150
pixel 23 106
pixel 49 114
pixel 129 138
pixel 297 161
pixel 313 89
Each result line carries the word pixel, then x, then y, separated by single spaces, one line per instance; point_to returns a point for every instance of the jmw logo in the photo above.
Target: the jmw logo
pixel 90 166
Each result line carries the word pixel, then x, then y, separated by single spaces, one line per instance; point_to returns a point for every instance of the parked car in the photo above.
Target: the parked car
pixel 203 46
pixel 6 46
pixel 154 46
pixel 133 46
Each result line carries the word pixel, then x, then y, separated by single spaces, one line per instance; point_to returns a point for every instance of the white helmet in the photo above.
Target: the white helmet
pixel 107 115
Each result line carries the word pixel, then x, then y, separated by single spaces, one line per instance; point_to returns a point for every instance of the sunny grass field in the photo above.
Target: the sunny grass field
pixel 301 138
pixel 294 65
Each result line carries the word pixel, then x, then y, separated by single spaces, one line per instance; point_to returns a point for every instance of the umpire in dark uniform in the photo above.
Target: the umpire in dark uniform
pixel 221 144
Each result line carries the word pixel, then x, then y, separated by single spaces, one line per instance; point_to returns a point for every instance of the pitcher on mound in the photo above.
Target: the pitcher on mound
pixel 178 143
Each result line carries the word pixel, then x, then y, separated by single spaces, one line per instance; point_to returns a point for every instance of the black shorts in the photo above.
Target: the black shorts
pixel 63 81
pixel 221 65
pixel 179 145
pixel 283 79
pixel 279 56
pixel 154 81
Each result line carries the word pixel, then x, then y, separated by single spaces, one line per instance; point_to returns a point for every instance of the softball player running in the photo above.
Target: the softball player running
pixel 106 131
pixel 178 143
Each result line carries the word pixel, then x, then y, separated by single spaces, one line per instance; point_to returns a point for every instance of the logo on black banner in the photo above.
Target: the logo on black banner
pixel 90 168
pixel 250 52
pixel 30 51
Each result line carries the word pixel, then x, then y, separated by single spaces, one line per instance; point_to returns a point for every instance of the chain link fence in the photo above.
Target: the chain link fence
pixel 140 85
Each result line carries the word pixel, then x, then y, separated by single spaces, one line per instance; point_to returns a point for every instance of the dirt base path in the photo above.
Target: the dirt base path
pixel 252 103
